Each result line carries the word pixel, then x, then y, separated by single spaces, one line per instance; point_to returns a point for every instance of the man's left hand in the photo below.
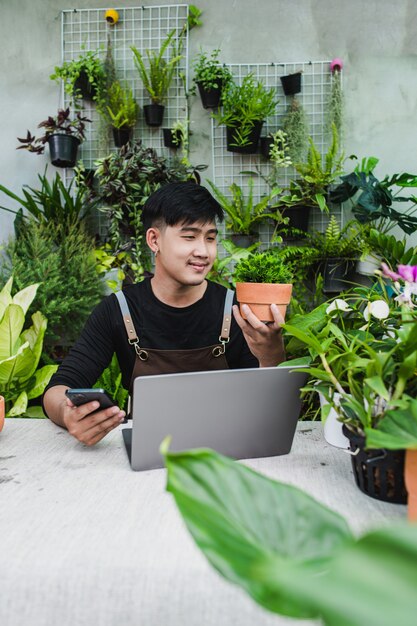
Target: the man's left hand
pixel 264 339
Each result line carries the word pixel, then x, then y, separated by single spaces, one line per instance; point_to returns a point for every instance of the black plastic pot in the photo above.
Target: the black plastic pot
pixel 299 217
pixel 378 473
pixel 210 98
pixel 172 138
pixel 253 139
pixel 122 136
pixel 83 86
pixel 291 83
pixel 243 241
pixel 265 144
pixel 154 114
pixel 63 150
pixel 337 273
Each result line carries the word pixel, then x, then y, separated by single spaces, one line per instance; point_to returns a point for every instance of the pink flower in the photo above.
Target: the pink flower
pixel 389 273
pixel 336 65
pixel 408 273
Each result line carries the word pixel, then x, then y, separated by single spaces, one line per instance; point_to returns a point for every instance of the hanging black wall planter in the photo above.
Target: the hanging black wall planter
pixel 298 221
pixel 63 150
pixel 291 83
pixel 84 87
pixel 337 273
pixel 172 138
pixel 154 114
pixel 210 98
pixel 122 136
pixel 253 139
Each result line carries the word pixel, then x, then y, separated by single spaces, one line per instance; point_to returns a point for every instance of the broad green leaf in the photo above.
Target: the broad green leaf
pixel 25 297
pixel 239 517
pixel 10 329
pixel 308 339
pixel 5 296
pixel 370 581
pixel 35 412
pixel 8 367
pixel 34 335
pixel 19 405
pixel 396 431
pixel 40 379
pixel 377 385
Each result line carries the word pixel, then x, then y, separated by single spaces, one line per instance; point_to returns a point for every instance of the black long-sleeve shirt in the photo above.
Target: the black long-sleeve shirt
pixel 158 326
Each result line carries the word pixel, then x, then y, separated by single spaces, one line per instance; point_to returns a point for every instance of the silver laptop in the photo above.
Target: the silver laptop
pixel 244 413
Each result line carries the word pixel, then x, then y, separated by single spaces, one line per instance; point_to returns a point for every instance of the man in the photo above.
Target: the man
pixel 175 321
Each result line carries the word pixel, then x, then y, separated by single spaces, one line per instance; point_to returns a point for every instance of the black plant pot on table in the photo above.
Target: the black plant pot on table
pixel 251 146
pixel 291 83
pixel 154 114
pixel 63 149
pixel 378 473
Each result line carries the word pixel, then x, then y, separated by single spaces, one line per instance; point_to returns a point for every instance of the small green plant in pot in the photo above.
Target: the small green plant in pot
pixel 84 78
pixel 122 110
pixel 211 77
pixel 244 109
pixel 263 279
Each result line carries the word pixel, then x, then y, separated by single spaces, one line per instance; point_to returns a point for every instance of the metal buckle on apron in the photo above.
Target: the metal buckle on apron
pixel 142 354
pixel 219 350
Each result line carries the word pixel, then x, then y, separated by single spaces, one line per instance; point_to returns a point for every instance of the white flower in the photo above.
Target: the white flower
pixel 338 305
pixel 378 309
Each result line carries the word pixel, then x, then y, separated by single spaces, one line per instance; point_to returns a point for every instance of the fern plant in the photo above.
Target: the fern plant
pixel 122 108
pixel 263 267
pixel 158 76
pixel 243 214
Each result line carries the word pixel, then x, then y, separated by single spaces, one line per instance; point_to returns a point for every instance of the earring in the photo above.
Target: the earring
pixel 156 252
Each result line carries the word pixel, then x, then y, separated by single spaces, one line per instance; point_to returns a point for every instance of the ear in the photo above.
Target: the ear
pixel 152 238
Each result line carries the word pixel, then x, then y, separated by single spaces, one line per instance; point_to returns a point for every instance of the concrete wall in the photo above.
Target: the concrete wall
pixel 376 39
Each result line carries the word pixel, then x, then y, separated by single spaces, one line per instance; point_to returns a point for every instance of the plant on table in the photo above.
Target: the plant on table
pixel 291 554
pixel 21 380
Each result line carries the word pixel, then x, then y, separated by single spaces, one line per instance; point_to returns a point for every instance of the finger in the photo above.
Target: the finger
pixel 96 426
pixel 277 315
pixel 80 412
pixel 251 318
pixel 236 314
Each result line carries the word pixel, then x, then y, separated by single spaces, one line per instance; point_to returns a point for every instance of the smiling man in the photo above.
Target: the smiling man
pixel 175 321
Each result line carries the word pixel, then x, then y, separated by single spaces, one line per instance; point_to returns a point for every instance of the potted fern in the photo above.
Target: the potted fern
pixel 243 213
pixel 244 110
pixel 122 110
pixel 157 76
pixel 262 279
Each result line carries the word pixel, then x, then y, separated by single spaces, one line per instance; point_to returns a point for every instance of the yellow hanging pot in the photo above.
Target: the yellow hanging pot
pixel 112 16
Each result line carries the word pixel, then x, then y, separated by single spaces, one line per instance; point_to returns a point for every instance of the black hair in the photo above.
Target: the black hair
pixel 181 203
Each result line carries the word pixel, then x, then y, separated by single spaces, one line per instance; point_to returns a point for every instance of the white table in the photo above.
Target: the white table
pixel 85 541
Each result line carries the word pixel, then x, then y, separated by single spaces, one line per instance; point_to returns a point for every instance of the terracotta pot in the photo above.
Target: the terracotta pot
pixel 2 410
pixel 259 296
pixel 410 477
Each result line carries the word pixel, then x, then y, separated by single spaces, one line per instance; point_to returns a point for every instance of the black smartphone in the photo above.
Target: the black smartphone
pixel 81 396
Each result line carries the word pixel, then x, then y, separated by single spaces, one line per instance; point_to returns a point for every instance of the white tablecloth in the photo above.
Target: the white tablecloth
pixel 85 541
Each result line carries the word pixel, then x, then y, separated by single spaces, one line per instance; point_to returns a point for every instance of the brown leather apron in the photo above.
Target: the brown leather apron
pixel 149 361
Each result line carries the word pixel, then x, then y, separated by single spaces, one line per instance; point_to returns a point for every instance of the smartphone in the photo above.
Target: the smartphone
pixel 81 396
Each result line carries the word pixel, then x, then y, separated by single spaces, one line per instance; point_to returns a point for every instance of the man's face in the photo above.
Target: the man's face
pixel 186 252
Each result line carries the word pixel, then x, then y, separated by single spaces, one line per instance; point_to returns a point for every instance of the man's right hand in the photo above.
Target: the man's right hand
pixel 83 422
pixel 88 426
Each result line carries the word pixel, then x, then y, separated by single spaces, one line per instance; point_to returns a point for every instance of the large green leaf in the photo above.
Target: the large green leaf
pixel 290 553
pixel 396 431
pixel 238 518
pixel 34 336
pixel 25 297
pixel 19 405
pixel 5 296
pixel 10 329
pixel 9 367
pixel 40 379
pixel 371 581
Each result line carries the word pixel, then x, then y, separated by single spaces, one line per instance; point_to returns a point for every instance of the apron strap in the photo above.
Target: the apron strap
pixel 227 316
pixel 131 332
pixel 127 318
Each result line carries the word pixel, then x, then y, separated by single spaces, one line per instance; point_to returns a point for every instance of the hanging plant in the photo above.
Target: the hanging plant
pixel 336 102
pixel 296 129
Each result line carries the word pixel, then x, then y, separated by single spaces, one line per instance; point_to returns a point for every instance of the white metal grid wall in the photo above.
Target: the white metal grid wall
pixel 145 28
pixel 314 98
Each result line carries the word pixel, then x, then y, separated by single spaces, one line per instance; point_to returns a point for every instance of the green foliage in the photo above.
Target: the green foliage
pixel 63 262
pixel 222 272
pixel 296 128
pixel 122 108
pixel 209 71
pixel 243 214
pixel 111 381
pixel 53 202
pixel 372 200
pixel 159 74
pixel 262 267
pixel 62 123
pixel 20 350
pixel 392 250
pixel 88 63
pixel 290 553
pixel 126 179
pixel 397 430
pixel 336 107
pixel 244 104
